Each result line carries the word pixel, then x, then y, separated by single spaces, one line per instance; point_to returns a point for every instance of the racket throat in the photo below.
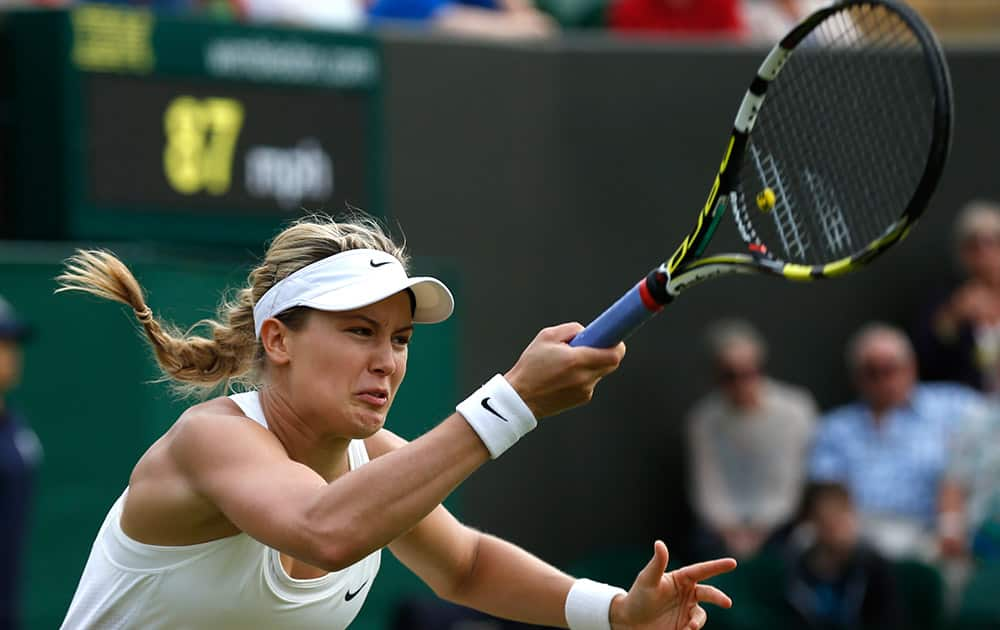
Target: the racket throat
pixel 655 289
pixel 720 209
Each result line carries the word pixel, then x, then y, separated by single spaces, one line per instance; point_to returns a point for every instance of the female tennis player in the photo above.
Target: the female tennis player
pixel 269 508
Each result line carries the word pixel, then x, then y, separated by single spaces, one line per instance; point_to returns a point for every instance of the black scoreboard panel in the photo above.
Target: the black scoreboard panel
pixel 191 144
pixel 132 125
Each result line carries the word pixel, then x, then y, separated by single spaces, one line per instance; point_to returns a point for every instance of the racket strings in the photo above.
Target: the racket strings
pixel 843 138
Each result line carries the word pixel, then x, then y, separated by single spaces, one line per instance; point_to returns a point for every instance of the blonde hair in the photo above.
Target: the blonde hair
pixel 232 354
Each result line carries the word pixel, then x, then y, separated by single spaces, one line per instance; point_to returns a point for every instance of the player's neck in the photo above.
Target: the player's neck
pixel 324 454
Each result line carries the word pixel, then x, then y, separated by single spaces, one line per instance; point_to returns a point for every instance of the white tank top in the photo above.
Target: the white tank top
pixel 232 583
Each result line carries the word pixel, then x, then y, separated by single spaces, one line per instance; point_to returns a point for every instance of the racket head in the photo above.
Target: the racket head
pixel 836 150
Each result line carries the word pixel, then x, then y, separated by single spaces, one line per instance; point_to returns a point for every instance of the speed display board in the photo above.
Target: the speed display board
pixel 246 149
pixel 186 130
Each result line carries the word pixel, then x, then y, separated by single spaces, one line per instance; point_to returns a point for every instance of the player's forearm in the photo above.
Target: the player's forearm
pixel 376 503
pixel 507 581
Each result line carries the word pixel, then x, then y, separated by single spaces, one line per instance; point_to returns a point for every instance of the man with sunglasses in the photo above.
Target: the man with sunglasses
pixel 890 447
pixel 749 439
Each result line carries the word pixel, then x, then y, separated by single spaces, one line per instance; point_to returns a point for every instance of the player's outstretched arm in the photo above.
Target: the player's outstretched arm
pixel 494 576
pixel 287 506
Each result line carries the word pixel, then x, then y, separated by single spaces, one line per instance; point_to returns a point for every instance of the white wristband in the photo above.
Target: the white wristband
pixel 497 413
pixel 589 604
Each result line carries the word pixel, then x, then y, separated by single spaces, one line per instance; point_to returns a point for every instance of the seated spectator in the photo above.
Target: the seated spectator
pixel 767 21
pixel 748 443
pixel 678 17
pixel 970 493
pixel 762 21
pixel 958 335
pixel 969 520
pixel 835 580
pixel 328 14
pixel 480 18
pixel 890 447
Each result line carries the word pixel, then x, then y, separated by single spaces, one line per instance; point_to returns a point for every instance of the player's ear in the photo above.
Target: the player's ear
pixel 274 337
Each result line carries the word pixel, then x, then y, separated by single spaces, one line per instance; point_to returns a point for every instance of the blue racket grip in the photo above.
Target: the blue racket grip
pixel 624 317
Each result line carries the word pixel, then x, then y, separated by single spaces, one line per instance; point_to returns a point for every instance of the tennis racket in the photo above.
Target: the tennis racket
pixel 837 148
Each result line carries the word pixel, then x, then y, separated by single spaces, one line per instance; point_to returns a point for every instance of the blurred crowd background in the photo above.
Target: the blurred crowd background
pixel 740 20
pixel 842 441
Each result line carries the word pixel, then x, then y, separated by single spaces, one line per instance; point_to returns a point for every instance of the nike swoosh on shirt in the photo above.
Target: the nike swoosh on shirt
pixel 375 264
pixel 348 596
pixel 486 405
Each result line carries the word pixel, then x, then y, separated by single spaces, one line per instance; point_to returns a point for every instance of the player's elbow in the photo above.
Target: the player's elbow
pixel 336 546
pixel 458 582
pixel 336 555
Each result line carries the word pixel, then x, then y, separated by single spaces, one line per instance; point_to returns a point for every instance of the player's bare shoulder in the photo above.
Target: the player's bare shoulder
pixel 217 430
pixel 164 486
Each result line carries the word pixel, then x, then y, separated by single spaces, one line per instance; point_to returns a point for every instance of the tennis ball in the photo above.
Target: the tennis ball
pixel 765 200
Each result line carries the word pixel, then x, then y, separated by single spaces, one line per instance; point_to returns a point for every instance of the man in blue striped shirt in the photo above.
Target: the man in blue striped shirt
pixel 891 446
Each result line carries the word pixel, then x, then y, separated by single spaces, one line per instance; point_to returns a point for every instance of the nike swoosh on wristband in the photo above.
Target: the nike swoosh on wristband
pixel 486 405
pixel 348 596
pixel 375 264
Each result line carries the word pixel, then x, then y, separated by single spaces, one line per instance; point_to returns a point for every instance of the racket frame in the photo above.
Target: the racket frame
pixel 686 268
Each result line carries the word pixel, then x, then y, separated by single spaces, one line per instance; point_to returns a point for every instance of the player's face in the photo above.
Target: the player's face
pixel 347 367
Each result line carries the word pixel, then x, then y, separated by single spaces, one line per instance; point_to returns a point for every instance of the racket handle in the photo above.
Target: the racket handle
pixel 624 317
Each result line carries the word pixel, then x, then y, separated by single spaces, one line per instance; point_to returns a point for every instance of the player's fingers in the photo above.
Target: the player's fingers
pixel 698 618
pixel 705 570
pixel 600 361
pixel 653 571
pixel 618 352
pixel 711 595
pixel 561 332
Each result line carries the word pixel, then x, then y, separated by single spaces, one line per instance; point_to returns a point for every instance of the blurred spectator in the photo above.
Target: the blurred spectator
pixel 969 519
pixel 328 14
pixel 970 494
pixel 835 580
pixel 958 336
pixel 767 21
pixel 19 453
pixel 480 18
pixel 678 17
pixel 890 447
pixel 748 440
pixel 756 20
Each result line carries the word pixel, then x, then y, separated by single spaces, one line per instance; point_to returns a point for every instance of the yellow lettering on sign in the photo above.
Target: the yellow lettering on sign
pixel 106 39
pixel 201 140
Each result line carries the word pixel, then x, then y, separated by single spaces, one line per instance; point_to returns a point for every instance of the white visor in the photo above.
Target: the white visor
pixel 350 280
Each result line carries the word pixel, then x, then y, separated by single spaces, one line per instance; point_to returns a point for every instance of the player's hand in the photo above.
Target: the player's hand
pixel 552 376
pixel 669 601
